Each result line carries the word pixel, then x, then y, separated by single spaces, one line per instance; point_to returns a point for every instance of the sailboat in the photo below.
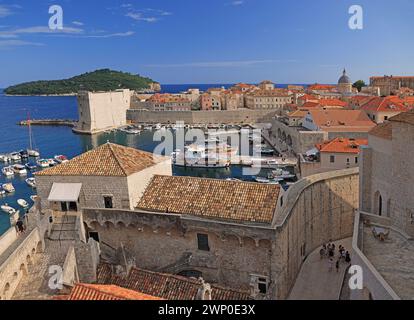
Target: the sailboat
pixel 30 151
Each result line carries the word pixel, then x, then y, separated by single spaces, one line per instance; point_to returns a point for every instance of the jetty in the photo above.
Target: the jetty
pixel 48 122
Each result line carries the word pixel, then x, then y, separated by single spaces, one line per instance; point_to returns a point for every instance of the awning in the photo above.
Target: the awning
pixel 312 152
pixel 68 192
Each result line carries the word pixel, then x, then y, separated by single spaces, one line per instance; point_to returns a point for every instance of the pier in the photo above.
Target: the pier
pixel 48 122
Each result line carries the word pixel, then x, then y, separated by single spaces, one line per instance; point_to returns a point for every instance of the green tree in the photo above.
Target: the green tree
pixel 359 84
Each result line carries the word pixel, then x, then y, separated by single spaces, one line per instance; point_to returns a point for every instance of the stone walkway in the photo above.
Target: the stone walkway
pixel 315 281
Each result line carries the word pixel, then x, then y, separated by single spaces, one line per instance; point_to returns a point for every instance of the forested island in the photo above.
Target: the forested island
pixel 99 80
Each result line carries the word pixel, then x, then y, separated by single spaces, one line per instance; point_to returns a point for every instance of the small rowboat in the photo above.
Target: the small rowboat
pixel 6 208
pixel 8 187
pixel 23 203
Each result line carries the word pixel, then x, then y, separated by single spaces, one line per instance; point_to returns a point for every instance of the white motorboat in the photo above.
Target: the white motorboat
pixel 4 158
pixel 23 203
pixel 19 169
pixel 61 158
pixel 33 197
pixel 15 156
pixel 6 208
pixel 8 171
pixel 282 174
pixel 265 180
pixel 31 182
pixel 43 163
pixel 8 187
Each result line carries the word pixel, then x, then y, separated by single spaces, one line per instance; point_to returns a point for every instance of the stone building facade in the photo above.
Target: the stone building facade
pixel 100 111
pixel 390 84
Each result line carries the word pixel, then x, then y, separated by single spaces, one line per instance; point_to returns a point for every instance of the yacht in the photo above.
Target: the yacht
pixel 19 169
pixel 8 171
pixel 31 182
pixel 8 187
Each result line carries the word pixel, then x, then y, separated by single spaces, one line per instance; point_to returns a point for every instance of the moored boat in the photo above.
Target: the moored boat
pixel 15 156
pixel 43 163
pixel 8 187
pixel 31 182
pixel 7 171
pixel 4 158
pixel 24 154
pixel 23 203
pixel 6 208
pixel 19 169
pixel 61 158
pixel 30 166
pixel 33 153
pixel 33 197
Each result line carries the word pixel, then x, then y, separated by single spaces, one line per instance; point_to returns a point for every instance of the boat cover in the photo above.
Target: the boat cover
pixel 68 192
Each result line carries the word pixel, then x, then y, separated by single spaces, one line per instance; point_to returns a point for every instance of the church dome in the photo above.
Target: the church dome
pixel 344 79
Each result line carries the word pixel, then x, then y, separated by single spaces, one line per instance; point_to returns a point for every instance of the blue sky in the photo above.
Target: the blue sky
pixel 207 41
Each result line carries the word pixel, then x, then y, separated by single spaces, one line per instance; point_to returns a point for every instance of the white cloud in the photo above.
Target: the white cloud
pixel 77 23
pixel 112 35
pixel 5 11
pixel 39 30
pixel 218 64
pixel 237 3
pixel 138 16
pixel 7 44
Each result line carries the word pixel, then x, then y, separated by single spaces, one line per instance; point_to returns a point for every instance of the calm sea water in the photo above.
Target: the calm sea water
pixel 54 140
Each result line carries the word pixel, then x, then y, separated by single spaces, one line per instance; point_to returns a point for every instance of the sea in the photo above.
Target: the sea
pixel 55 140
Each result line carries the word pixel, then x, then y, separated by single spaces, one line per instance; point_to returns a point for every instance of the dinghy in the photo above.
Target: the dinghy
pixel 8 187
pixel 23 203
pixel 31 182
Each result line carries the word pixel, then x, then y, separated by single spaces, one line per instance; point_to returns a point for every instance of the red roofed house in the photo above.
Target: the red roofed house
pixel 380 109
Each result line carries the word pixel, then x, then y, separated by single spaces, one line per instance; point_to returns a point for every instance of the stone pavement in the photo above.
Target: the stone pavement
pixel 315 282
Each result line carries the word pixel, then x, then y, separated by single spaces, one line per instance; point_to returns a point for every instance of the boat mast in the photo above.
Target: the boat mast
pixel 30 130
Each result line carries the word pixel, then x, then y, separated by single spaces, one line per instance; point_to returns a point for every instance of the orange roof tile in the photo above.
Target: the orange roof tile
pixel 387 104
pixel 108 159
pixel 211 198
pixel 166 286
pixel 342 145
pixel 339 120
pixel 83 291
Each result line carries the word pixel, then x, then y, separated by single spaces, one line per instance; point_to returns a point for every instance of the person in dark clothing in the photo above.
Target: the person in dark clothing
pixel 19 225
pixel 347 257
pixel 337 265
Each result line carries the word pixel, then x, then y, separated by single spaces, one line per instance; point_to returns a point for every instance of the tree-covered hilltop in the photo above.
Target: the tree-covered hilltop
pixel 99 80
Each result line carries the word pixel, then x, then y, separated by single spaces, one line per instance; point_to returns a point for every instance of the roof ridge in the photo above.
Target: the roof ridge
pixel 116 158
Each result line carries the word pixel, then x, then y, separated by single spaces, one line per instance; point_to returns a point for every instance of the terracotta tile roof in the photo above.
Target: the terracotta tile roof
pixel 332 103
pixel 308 97
pixel 166 286
pixel 211 198
pixel 318 86
pixel 342 145
pixel 106 160
pixel 383 130
pixel 82 291
pixel 384 104
pixel 338 120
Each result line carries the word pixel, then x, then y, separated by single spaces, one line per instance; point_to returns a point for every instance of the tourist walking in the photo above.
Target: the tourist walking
pixel 337 265
pixel 347 257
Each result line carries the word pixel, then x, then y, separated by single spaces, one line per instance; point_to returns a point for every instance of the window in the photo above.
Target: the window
pixel 262 285
pixel 94 235
pixel 202 240
pixel 73 206
pixel 347 160
pixel 108 202
pixel 356 160
pixel 259 283
pixel 385 118
pixel 332 159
